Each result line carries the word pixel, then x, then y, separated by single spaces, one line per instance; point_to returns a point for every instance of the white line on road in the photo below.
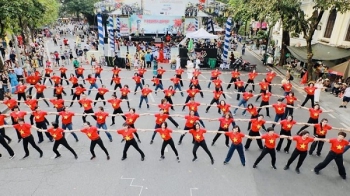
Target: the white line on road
pixel 132 180
pixel 192 189
pixel 152 98
pixel 344 125
pixel 204 77
pixel 331 115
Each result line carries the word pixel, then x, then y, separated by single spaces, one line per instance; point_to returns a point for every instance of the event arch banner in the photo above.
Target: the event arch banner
pixel 188 8
pixel 155 24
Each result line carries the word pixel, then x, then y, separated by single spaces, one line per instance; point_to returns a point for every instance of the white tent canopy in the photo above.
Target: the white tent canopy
pixel 201 34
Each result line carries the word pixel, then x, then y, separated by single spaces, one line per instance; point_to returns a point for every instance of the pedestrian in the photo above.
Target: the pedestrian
pixel 302 143
pixel 58 135
pixel 101 116
pixel 269 148
pixel 165 133
pixel 286 129
pixel 236 137
pixel 92 133
pixel 27 137
pixel 199 141
pixel 310 94
pixel 336 153
pixel 225 122
pixel 100 94
pixel 217 94
pixel 144 95
pixel 191 119
pixel 256 124
pixel 67 120
pixel 115 102
pixel 127 133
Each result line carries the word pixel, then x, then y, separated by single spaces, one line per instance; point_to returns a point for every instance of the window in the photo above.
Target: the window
pixel 330 24
pixel 347 37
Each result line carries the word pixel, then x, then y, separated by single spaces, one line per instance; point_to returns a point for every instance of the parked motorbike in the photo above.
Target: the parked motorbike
pixel 237 64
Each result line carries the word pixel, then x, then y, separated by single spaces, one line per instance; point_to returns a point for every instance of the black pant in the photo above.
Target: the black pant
pixel 250 82
pixel 64 143
pixel 172 145
pixel 295 154
pixel 134 144
pixel 199 88
pixel 75 96
pixel 284 132
pixel 318 144
pixel 289 111
pixel 58 110
pixel 100 143
pixel 73 87
pixel 30 140
pixel 240 90
pixel 155 132
pixel 3 134
pixel 64 76
pixel 42 125
pixel 41 95
pixel 265 151
pixel 170 101
pixel 117 111
pixel 99 96
pixel 204 146
pixel 127 100
pixel 253 133
pixel 187 100
pixel 310 121
pixel 14 122
pixel 20 96
pixel 183 135
pixel 172 120
pixel 261 91
pixel 264 103
pixel 232 81
pixel 6 146
pixel 179 76
pixel 312 98
pixel 219 134
pixel 212 102
pixel 338 158
pixel 250 123
pixel 47 76
pixel 90 111
pixel 117 86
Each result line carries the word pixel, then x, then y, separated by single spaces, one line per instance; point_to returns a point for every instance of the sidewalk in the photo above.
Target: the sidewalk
pixel 327 100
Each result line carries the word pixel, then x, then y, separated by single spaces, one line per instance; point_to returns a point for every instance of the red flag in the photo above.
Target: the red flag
pixel 304 79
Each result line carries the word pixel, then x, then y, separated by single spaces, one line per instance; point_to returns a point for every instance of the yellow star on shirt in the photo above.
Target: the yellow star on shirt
pixel 127 138
pixel 339 147
pixel 322 132
pixel 198 137
pixel 225 126
pixel 163 136
pixel 56 106
pixel 258 126
pixel 289 126
pixel 89 134
pixel 37 117
pixel 39 89
pixel 192 108
pixel 65 117
pixel 235 140
pixel 302 146
pixel 8 105
pixel 100 117
pixel 271 141
pixel 85 105
pixel 161 120
pixel 54 135
pixel 114 104
pixel 315 115
pixel 279 109
pixel 21 131
pixel 191 121
pixel 130 120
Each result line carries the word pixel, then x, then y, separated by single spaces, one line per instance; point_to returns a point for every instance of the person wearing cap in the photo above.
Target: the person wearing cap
pixel 336 153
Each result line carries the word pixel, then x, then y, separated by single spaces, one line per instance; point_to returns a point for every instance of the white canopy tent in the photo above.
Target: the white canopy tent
pixel 200 34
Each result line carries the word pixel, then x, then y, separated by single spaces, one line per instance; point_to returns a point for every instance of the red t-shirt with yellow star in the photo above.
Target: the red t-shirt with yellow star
pixel 193 106
pixel 190 120
pixel 322 131
pixel 57 134
pixel 66 117
pixel 256 124
pixel 131 118
pixel 198 135
pixel 287 125
pixel 270 140
pixel 87 103
pixel 279 108
pixel 164 133
pixel 224 108
pixel 160 118
pixel 236 137
pixel 115 103
pixel 127 134
pixel 101 117
pixel 314 114
pixel 91 132
pixel 39 116
pixel 338 146
pixel 225 123
pixel 165 107
pixel 24 130
pixel 302 145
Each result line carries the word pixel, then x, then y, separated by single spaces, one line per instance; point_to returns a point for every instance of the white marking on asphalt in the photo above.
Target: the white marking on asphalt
pixel 132 180
pixel 192 189
pixel 228 96
pixel 331 115
pixel 166 149
pixel 344 125
pixel 203 77
pixel 152 98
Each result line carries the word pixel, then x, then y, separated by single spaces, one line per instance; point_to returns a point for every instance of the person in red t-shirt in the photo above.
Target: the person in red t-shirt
pixel 141 71
pixel 286 129
pixel 58 135
pixel 79 72
pixel 100 94
pixel 252 110
pixel 21 92
pixel 265 99
pixel 127 133
pixel 269 77
pixel 87 105
pixel 24 130
pixel 56 79
pixel 115 102
pixel 310 94
pixel 9 102
pixel 41 123
pixel 58 90
pixel 3 136
pixel 270 142
pixel 225 122
pixel 168 93
pixel 177 85
pixel 157 84
pixel 195 83
pixel 160 118
pixel 193 106
pixel 287 87
pixel 302 143
pixel 138 82
pixel 251 76
pixel 131 118
pixel 234 75
pixel 191 119
pixel 199 141
pixel 124 94
pixel 321 130
pixel 314 115
pixel 101 121
pixel 217 94
pixel 98 69
pixel 336 153
pixel 290 99
pixel 178 73
pixel 80 89
pixel 116 79
pixel 92 82
pixel 236 137
pixel 144 95
pixel 63 71
pixel 280 109
pixel 92 133
pixel 164 105
pixel 47 75
pixel 244 101
pixel 191 94
pixel 74 81
pixel 256 124
pixel 263 87
pixel 40 92
pixel 240 87
pixel 165 132
pixel 67 121
pixel 32 80
pixel 213 76
pixel 15 116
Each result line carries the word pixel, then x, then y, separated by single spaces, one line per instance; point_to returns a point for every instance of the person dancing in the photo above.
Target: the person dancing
pixel 92 133
pixel 195 83
pixel 58 135
pixel 40 92
pixel 251 76
pixel 78 91
pixel 191 119
pixel 127 133
pixel 236 137
pixel 198 135
pixel 234 75
pixel 138 83
pixel 168 93
pixel 116 79
pixel 256 124
pixel 160 118
pixel 165 133
pixel 310 91
pixel 164 105
pixel 115 102
pixel 130 120
pixel 124 94
pixel 144 95
pixel 101 116
pixel 225 122
pixel 176 81
pixel 286 129
pixel 67 121
pixel 74 81
pixel 314 115
pixel 100 94
pixel 191 94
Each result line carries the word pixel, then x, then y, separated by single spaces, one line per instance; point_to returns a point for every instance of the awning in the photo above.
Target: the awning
pixel 342 69
pixel 321 52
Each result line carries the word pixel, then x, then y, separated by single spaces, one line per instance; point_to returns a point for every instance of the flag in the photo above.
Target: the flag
pixel 190 45
pixel 304 79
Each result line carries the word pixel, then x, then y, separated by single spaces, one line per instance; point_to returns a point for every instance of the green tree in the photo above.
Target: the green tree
pixel 77 7
pixel 308 24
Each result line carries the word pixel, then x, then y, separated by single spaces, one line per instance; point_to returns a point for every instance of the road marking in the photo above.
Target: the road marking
pixel 152 98
pixel 228 96
pixel 344 125
pixel 203 77
pixel 331 115
pixel 132 180
pixel 192 189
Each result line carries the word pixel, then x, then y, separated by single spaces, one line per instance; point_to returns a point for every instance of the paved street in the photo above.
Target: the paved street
pixel 67 176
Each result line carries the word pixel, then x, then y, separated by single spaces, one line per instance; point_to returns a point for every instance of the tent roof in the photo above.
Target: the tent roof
pixel 343 69
pixel 321 52
pixel 201 34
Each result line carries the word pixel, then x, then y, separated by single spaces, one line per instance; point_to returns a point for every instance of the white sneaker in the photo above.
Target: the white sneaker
pixel 11 157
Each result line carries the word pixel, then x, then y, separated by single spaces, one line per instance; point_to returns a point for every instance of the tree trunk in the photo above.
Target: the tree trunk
pixel 309 60
pixel 284 50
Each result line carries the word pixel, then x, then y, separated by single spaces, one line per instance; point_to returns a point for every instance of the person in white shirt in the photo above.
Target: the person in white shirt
pixel 198 62
pixel 346 97
pixel 19 72
pixel 178 62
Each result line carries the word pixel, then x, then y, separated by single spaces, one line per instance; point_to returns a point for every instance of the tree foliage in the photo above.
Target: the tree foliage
pixel 77 7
